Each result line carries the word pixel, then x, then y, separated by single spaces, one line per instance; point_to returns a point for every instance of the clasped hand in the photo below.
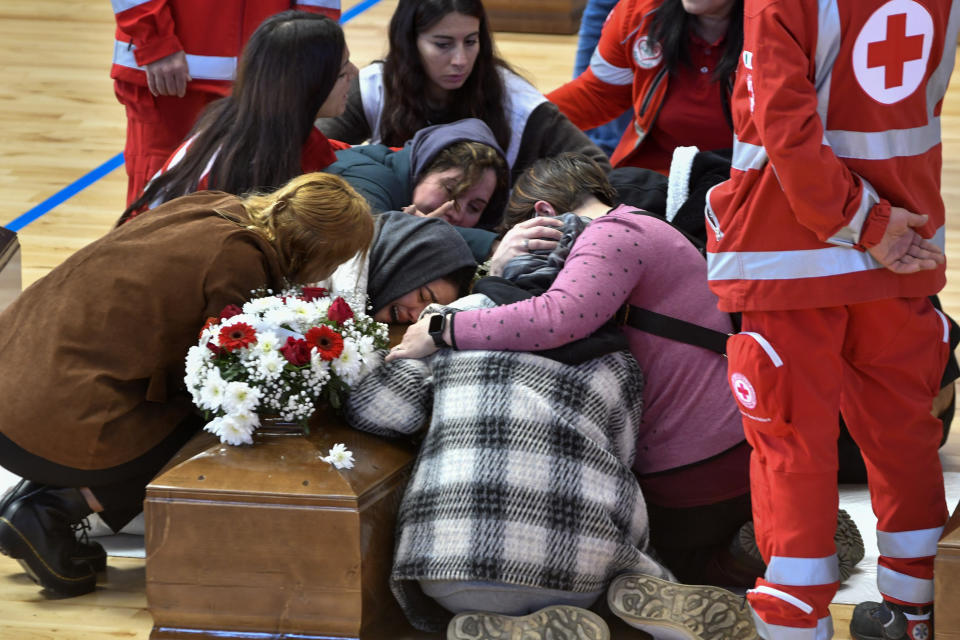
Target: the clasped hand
pixel 902 249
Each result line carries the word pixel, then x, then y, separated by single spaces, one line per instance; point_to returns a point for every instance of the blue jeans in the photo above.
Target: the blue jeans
pixel 606 136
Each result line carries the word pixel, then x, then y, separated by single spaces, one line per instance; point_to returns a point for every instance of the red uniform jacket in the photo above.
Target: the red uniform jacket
pixel 837 117
pixel 211 32
pixel 626 71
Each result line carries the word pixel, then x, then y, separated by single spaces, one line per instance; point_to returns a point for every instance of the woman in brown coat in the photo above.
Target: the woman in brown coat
pixel 91 373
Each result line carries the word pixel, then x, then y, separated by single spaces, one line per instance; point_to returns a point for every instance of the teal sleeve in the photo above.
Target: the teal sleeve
pixel 480 242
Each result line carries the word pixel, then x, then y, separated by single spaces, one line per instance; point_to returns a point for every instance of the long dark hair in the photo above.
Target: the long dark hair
pixel 286 71
pixel 669 28
pixel 405 80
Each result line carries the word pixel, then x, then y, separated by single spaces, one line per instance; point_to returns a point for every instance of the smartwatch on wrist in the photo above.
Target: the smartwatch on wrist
pixel 438 323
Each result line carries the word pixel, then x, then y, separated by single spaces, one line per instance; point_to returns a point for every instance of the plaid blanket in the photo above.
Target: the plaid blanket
pixel 523 476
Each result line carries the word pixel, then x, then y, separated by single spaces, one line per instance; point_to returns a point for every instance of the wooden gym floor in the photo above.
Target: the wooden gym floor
pixel 60 121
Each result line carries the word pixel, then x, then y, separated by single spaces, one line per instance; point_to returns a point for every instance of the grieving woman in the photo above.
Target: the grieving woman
pixel 522 495
pixel 453 171
pixel 442 66
pixel 413 262
pixel 91 379
pixel 692 459
pixel 296 67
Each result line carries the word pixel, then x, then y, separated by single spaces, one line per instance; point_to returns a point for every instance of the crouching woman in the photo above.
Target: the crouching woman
pixel 522 495
pixel 91 379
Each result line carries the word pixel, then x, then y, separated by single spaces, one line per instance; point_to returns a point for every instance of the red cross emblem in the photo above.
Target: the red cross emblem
pixel 895 51
pixel 743 390
pixel 891 52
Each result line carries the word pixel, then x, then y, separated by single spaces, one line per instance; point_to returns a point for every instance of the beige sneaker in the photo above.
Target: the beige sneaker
pixel 672 611
pixel 559 622
pixel 849 543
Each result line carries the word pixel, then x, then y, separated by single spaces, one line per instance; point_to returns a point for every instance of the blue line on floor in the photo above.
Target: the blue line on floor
pixel 66 193
pixel 76 187
pixel 356 10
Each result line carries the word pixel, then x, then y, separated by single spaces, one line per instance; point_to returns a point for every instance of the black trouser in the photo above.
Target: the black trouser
pixel 690 540
pixel 120 489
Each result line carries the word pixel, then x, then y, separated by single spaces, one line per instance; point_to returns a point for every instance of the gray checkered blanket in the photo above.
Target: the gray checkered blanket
pixel 523 476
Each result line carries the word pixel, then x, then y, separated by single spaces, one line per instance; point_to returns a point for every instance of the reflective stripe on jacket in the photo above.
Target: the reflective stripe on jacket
pixel 626 70
pixel 837 118
pixel 212 33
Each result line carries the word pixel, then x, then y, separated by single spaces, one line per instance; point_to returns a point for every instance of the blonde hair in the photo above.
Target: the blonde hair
pixel 315 222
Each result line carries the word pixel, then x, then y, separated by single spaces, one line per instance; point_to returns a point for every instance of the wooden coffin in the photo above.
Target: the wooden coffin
pixel 946 579
pixel 535 16
pixel 268 539
pixel 10 282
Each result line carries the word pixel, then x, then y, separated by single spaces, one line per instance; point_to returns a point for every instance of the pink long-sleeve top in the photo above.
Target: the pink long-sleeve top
pixel 689 414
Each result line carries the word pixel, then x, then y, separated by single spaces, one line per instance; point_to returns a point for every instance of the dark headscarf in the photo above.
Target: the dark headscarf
pixel 430 141
pixel 409 251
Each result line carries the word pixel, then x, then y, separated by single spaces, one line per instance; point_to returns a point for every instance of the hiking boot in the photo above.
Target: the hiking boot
pixel 36 530
pixel 672 611
pixel 889 621
pixel 91 552
pixel 562 622
pixel 847 539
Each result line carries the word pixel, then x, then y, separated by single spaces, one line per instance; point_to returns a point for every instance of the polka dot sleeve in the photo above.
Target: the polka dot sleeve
pixel 600 273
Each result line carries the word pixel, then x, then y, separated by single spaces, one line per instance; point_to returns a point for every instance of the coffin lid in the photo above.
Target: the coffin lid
pixel 285 468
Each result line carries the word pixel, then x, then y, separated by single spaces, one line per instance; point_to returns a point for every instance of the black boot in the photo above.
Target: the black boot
pixel 22 489
pixel 91 552
pixel 889 621
pixel 36 529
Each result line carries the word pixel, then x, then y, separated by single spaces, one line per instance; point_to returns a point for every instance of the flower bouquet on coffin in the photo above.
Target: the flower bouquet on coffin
pixel 276 357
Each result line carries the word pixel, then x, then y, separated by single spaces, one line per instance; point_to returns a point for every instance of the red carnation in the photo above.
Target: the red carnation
pixel 229 311
pixel 339 311
pixel 328 342
pixel 217 351
pixel 312 293
pixel 237 336
pixel 297 352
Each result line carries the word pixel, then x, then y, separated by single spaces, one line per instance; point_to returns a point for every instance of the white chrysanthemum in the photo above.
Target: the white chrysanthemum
pixel 196 364
pixel 280 316
pixel 340 456
pixel 270 365
pixel 321 306
pixel 267 341
pixel 210 334
pixel 239 397
pixel 214 426
pixel 197 357
pixel 246 318
pixel 260 305
pixel 238 428
pixel 303 313
pixel 365 346
pixel 317 363
pixel 349 365
pixel 211 394
pixel 194 381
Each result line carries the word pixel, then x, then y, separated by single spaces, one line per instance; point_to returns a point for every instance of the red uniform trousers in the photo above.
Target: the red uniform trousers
pixel 156 125
pixel 879 363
